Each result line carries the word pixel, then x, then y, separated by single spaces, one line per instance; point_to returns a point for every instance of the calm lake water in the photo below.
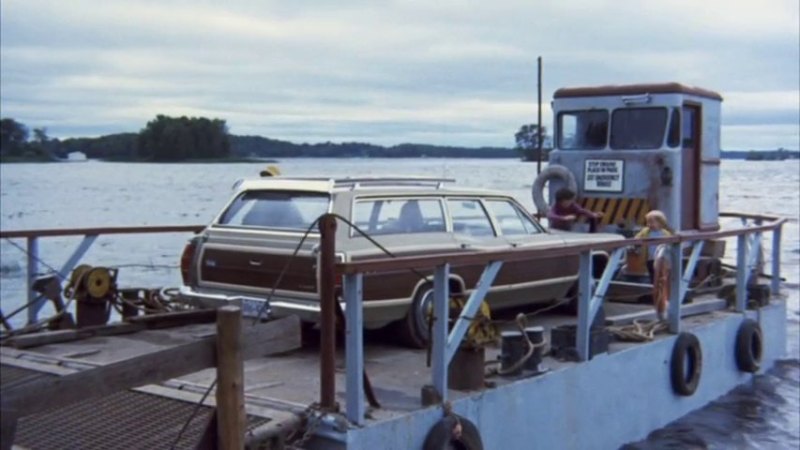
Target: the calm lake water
pixel 764 415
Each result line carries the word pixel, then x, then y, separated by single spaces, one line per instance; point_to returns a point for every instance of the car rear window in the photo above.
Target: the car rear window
pixel 399 216
pixel 276 210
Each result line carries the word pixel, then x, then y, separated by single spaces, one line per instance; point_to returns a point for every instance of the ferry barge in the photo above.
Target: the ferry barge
pixel 147 382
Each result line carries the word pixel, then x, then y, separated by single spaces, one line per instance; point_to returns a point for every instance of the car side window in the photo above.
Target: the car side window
pixel 399 216
pixel 469 217
pixel 511 220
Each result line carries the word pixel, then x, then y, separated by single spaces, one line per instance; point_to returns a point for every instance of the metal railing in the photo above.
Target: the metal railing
pixel 591 292
pixel 35 302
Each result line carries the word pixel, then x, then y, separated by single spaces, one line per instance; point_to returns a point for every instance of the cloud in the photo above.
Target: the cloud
pixel 446 72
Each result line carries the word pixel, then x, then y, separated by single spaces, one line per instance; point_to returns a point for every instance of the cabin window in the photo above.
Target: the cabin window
pixel 283 210
pixel 510 219
pixel 583 130
pixel 399 216
pixel 638 128
pixel 469 217
pixel 674 136
pixel 689 127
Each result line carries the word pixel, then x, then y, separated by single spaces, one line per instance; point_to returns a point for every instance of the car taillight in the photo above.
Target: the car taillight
pixel 186 261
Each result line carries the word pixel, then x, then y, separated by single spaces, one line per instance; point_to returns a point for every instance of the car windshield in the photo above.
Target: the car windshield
pixel 583 130
pixel 638 128
pixel 276 209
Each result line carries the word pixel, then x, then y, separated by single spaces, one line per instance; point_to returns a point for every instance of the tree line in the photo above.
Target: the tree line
pixel 16 141
pixel 162 139
pixel 186 138
pixel 258 146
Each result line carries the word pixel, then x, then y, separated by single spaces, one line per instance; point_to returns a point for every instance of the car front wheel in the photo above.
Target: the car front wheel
pixel 414 330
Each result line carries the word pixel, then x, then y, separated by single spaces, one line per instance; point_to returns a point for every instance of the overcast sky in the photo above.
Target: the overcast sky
pixel 441 72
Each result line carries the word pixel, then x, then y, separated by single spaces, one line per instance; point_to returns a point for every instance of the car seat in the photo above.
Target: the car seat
pixel 410 219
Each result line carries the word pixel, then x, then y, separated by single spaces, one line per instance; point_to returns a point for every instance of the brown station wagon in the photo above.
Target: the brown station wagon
pixel 239 257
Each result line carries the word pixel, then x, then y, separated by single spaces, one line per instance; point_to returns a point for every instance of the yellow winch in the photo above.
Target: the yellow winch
pixel 94 289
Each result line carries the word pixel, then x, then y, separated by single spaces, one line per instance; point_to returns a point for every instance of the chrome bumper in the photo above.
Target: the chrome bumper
pixel 252 306
pixel 375 313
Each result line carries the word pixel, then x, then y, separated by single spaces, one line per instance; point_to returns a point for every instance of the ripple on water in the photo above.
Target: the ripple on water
pixel 761 415
pixel 10 268
pixel 189 193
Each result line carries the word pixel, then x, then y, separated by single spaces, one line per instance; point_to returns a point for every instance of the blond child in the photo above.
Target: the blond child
pixel 657 260
pixel 657 226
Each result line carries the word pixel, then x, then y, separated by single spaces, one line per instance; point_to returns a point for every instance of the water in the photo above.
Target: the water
pixel 763 415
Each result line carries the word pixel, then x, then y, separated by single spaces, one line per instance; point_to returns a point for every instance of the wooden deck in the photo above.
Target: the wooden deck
pixel 280 387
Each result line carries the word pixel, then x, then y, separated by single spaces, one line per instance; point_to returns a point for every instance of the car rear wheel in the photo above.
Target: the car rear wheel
pixel 413 330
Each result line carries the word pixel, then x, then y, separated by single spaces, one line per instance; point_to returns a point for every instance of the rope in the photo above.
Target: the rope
pixel 555 305
pixel 37 259
pixel 39 323
pixel 38 298
pixel 284 269
pixel 53 271
pixel 376 243
pixel 194 413
pixel 638 331
pixel 521 325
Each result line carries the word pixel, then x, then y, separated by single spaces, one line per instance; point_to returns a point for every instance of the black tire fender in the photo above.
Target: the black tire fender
pixel 453 431
pixel 686 364
pixel 749 346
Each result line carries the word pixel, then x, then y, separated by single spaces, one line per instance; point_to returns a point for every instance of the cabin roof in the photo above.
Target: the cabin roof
pixel 636 89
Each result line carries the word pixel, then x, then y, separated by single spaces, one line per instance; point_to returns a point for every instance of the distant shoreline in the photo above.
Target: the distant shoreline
pixel 246 160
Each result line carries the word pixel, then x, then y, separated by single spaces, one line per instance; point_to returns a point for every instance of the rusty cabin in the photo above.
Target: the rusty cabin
pixel 633 148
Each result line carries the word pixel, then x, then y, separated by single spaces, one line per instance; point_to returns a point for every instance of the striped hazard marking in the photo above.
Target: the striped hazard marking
pixel 618 210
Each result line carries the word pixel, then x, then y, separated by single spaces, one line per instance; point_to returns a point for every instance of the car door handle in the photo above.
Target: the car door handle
pixel 255 262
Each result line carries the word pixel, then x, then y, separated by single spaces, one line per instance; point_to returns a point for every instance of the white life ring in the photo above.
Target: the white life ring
pixel 552 171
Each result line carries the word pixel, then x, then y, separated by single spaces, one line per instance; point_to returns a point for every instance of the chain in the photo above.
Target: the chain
pixel 313 421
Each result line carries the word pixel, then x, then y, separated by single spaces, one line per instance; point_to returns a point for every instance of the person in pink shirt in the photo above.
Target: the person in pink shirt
pixel 563 214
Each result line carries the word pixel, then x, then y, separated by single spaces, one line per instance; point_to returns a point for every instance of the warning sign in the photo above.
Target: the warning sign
pixel 603 175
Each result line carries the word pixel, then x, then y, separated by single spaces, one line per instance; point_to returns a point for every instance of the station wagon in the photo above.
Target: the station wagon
pixel 240 255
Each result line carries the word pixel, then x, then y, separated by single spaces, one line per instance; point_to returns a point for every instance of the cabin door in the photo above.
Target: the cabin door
pixel 690 188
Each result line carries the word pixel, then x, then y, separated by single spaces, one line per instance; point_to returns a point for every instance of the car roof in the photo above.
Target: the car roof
pixel 404 185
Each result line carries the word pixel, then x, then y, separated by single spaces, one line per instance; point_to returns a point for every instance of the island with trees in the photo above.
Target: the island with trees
pixel 173 139
pixel 200 139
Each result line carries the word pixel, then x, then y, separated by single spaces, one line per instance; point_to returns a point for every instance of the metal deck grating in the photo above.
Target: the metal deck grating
pixel 123 420
pixel 11 375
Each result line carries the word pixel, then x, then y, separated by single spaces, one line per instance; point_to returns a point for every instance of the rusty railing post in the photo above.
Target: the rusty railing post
pixel 327 325
pixel 741 272
pixel 34 305
pixel 586 287
pixel 230 379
